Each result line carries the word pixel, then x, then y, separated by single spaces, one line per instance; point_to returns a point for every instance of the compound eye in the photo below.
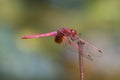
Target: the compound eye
pixel 73 32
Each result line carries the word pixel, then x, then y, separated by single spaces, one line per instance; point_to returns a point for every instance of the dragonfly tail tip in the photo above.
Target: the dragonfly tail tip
pixel 24 37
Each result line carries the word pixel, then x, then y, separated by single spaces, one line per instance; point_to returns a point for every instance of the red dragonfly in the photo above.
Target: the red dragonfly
pixel 73 38
pixel 84 48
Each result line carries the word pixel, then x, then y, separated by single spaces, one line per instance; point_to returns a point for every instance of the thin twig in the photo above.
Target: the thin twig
pixel 79 47
pixel 81 67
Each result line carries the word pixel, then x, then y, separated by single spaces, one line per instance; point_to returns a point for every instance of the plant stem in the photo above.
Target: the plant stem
pixel 81 69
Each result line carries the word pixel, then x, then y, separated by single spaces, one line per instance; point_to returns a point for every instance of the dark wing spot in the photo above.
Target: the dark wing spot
pixel 100 51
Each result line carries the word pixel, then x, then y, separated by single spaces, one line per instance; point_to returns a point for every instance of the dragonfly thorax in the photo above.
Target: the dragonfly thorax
pixel 67 32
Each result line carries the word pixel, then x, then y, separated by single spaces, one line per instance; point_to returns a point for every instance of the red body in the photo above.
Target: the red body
pixel 59 35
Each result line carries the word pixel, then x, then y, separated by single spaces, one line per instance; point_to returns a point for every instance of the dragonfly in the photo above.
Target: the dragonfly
pixel 73 39
pixel 84 48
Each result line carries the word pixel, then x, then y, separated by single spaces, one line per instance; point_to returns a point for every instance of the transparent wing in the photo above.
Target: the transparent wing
pixel 87 50
pixel 79 48
pixel 90 49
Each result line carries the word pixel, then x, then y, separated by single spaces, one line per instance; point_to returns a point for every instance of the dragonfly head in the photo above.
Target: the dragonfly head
pixel 73 32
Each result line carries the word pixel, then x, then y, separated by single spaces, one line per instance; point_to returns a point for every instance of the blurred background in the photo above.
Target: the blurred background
pixel 42 59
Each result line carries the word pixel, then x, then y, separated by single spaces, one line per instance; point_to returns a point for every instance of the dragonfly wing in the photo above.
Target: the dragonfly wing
pixel 86 55
pixel 90 49
pixel 78 48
